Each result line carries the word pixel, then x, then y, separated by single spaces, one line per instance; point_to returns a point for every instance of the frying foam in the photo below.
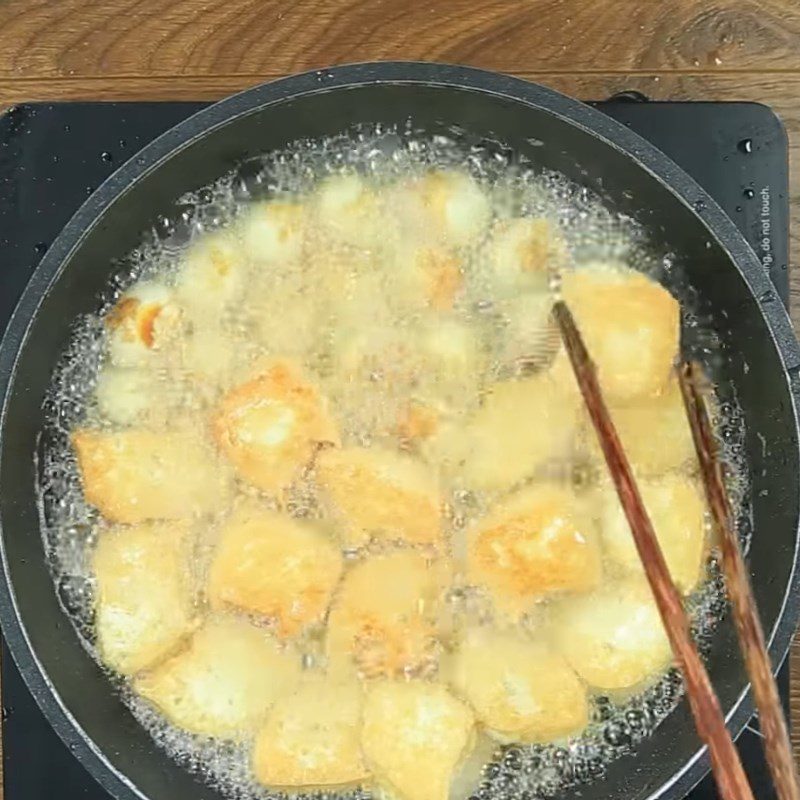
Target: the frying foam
pixel 592 231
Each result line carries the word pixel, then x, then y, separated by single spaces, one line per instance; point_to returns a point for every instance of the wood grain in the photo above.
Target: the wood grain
pixel 127 38
pixel 205 49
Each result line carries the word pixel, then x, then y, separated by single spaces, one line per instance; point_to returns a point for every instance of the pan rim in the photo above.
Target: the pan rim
pixel 255 99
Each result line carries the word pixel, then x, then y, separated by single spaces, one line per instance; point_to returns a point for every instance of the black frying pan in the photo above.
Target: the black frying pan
pixel 762 365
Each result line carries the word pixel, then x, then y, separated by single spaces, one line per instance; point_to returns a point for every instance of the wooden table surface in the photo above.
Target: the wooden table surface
pixel 205 49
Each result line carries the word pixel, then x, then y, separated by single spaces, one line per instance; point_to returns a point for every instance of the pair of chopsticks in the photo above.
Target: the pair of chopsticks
pixel 709 720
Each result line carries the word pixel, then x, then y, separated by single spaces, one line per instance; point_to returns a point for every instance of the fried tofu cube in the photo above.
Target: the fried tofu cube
pixel 137 475
pixel 427 378
pixel 450 361
pixel 124 394
pixel 381 494
pixel 224 683
pixel 348 282
pixel 273 232
pixel 209 356
pixel 270 564
pixel 142 324
pixel 370 376
pixel 139 396
pixel 654 432
pixel 442 275
pixel 286 310
pixel 384 616
pixel 444 207
pixel 373 353
pixel 523 252
pixel 368 342
pixel 630 325
pixel 677 511
pixel 269 427
pixel 312 737
pixel 212 276
pixel 415 736
pixel 613 637
pixel 143 597
pixel 427 277
pixel 363 335
pixel 539 541
pixel 416 423
pixel 349 211
pixel 521 425
pixel 521 690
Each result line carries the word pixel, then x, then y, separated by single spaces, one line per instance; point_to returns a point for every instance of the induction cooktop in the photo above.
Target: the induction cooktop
pixel 53 156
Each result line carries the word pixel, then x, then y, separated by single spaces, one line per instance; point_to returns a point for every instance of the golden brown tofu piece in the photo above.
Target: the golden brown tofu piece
pixel 209 359
pixel 273 232
pixel 270 564
pixel 654 432
pixel 381 494
pixel 427 277
pixel 286 310
pixel 270 426
pixel 677 509
pixel 415 736
pixel 444 207
pixel 443 277
pixel 224 682
pixel 137 475
pixel 125 395
pixel 349 211
pixel 347 282
pixel 142 324
pixel 520 689
pixel 522 252
pixel 372 349
pixel 312 737
pixel 438 364
pixel 522 425
pixel 383 618
pixel 630 325
pixel 143 596
pixel 438 359
pixel 613 637
pixel 416 423
pixel 449 361
pixel 212 277
pixel 539 541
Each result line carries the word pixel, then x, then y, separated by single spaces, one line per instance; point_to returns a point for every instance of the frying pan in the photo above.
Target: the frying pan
pixel 760 364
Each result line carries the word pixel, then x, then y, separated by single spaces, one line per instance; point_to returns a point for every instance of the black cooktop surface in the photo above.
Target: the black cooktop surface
pixel 53 156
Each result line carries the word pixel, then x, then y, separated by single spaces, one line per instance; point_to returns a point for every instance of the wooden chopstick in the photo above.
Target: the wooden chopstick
pixel 777 746
pixel 709 721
